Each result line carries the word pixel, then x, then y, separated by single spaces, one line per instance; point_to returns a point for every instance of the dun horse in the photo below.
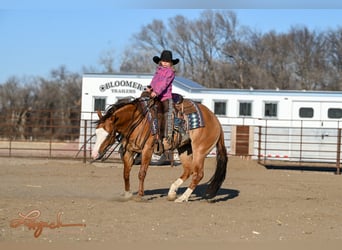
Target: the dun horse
pixel 131 121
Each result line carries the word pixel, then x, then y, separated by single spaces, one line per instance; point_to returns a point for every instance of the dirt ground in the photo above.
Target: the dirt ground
pixel 255 204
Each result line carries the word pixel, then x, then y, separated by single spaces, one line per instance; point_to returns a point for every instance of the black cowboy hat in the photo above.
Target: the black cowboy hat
pixel 166 56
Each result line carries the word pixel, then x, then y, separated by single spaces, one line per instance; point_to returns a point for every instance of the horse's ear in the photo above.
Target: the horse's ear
pixel 99 113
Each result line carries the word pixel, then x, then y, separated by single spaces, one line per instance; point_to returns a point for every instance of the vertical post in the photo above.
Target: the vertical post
pixel 259 145
pixel 51 134
pixel 301 142
pixel 265 142
pixel 338 153
pixel 85 142
pixel 10 147
pixel 10 136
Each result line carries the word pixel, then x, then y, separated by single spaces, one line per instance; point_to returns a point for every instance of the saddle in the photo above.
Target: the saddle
pixel 185 115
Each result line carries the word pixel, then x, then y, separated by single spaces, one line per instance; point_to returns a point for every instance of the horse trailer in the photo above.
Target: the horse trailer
pixel 277 124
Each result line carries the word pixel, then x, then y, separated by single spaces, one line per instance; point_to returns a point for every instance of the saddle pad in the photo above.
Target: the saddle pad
pixel 195 119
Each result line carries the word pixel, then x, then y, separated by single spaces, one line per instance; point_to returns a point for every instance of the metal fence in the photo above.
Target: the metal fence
pixel 300 146
pixel 42 133
pixel 271 143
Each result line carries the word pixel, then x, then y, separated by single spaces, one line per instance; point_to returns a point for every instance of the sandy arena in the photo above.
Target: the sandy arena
pixel 255 205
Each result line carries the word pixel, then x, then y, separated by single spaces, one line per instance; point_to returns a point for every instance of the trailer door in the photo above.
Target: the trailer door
pixel 306 131
pixel 331 122
pixel 314 132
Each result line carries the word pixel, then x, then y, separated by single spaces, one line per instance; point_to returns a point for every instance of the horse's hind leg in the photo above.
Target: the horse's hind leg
pixel 186 163
pixel 197 165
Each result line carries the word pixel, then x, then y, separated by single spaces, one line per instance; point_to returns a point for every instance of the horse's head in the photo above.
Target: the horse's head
pixel 105 135
pixel 122 118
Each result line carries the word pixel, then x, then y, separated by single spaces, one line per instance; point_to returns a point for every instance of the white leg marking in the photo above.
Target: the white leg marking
pixel 185 196
pixel 171 196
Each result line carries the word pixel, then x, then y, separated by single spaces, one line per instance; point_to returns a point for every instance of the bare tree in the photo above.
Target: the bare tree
pixel 238 51
pixel 153 37
pixel 181 38
pixel 16 100
pixel 137 62
pixel 334 58
pixel 273 58
pixel 206 42
pixel 308 54
pixel 217 52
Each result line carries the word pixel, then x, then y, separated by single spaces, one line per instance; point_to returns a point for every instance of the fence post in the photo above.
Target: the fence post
pixel 265 136
pixel 259 145
pixel 51 133
pixel 301 142
pixel 338 156
pixel 85 142
pixel 10 147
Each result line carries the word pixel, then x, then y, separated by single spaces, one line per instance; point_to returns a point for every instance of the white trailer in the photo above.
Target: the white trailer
pixel 285 116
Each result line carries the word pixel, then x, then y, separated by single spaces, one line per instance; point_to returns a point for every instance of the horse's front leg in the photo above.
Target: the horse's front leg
pixel 128 163
pixel 141 176
pixel 145 162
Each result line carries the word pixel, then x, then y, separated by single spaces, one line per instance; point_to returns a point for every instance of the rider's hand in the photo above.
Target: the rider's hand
pixel 153 94
pixel 148 89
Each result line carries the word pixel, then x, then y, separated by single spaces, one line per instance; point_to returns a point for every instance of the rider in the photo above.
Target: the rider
pixel 161 88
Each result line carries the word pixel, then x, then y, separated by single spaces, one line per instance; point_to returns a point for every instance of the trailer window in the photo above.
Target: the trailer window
pixel 306 112
pixel 245 109
pixel 271 109
pixel 99 103
pixel 334 113
pixel 220 108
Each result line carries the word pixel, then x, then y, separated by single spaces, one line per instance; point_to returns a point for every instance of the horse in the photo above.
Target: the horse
pixel 129 121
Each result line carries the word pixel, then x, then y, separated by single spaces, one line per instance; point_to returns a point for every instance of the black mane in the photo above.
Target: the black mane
pixel 121 103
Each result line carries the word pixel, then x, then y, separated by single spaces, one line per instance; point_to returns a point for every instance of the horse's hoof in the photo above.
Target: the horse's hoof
pixel 181 199
pixel 127 195
pixel 139 198
pixel 124 196
pixel 171 196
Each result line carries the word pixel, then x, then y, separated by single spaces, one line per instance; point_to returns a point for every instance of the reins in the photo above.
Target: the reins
pixel 140 118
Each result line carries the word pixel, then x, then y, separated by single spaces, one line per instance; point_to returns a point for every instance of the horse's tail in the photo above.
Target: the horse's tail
pixel 219 176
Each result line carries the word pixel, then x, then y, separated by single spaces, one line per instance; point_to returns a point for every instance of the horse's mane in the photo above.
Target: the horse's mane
pixel 119 104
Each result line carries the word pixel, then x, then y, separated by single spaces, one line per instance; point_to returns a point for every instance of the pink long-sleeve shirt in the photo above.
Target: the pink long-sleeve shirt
pixel 162 82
